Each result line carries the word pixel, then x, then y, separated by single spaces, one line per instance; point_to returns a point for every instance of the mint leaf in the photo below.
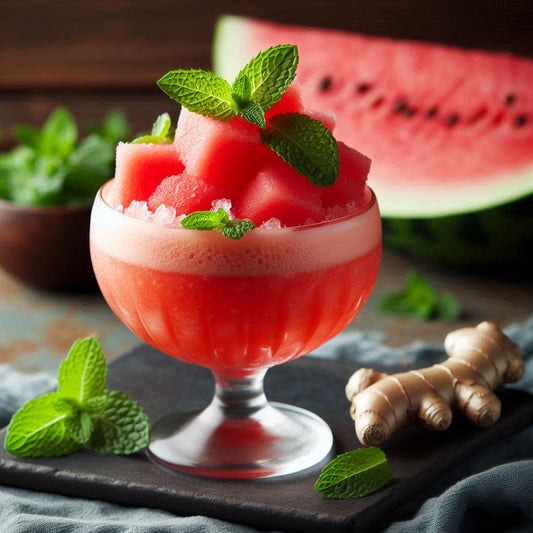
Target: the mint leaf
pixel 419 300
pixel 235 229
pixel 80 427
pixel 242 91
pixel 199 91
pixel 162 125
pixel 448 307
pixel 83 373
pixel 28 136
pixel 121 428
pixel 206 220
pixel 161 131
pixel 269 73
pixel 354 474
pixel 305 144
pixel 253 113
pixel 59 133
pixel 217 220
pixel 96 404
pixel 38 430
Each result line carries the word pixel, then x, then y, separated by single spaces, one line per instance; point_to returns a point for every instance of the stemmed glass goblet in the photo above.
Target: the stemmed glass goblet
pixel 237 307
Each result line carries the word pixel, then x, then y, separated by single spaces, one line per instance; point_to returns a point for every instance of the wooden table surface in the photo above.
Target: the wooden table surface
pixel 37 328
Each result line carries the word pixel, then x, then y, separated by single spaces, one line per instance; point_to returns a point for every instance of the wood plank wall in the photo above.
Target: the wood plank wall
pixel 95 55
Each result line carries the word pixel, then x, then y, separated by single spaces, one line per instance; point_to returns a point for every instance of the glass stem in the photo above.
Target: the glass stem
pixel 240 397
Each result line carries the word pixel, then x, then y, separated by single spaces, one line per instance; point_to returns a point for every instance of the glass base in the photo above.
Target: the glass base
pixel 274 440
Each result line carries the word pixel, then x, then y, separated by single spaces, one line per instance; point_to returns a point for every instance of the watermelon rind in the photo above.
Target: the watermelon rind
pixel 498 240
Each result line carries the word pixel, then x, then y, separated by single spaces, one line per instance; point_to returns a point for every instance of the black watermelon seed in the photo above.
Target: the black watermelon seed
pixel 431 112
pixel 400 106
pixel 510 99
pixel 363 88
pixel 452 120
pixel 520 120
pixel 325 84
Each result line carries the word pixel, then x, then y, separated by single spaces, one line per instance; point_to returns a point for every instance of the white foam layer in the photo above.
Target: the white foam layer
pixel 265 250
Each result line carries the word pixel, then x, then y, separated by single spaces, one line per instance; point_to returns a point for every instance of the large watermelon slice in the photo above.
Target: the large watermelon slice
pixel 449 131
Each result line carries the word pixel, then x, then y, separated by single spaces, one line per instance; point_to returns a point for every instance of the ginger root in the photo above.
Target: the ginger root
pixel 481 359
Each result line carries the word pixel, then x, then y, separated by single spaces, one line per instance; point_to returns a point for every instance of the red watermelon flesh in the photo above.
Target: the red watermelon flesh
pixel 351 182
pixel 291 102
pixel 217 152
pixel 186 194
pixel 139 170
pixel 451 126
pixel 278 191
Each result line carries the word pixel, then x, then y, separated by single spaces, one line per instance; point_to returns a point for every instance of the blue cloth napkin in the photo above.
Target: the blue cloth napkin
pixel 494 491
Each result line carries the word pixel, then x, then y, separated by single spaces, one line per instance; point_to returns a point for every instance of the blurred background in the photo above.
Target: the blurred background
pixel 92 56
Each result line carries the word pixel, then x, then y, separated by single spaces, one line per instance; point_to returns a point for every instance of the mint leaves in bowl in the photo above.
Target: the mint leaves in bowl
pixel 47 184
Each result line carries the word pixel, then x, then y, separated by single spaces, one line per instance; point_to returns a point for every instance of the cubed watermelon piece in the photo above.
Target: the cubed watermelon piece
pixel 278 191
pixel 217 152
pixel 186 194
pixel 291 102
pixel 139 170
pixel 350 184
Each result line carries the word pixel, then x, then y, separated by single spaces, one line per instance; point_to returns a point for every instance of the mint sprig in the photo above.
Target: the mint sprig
pixel 304 143
pixel 354 474
pixel 161 132
pixel 419 300
pixel 81 412
pixel 218 220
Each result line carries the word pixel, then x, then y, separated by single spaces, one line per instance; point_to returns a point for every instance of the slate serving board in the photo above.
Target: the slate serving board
pixel 417 457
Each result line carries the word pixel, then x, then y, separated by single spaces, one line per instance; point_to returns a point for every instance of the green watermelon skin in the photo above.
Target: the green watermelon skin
pixel 496 241
pixel 449 132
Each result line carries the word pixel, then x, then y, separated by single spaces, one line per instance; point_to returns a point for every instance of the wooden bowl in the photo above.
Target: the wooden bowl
pixel 47 247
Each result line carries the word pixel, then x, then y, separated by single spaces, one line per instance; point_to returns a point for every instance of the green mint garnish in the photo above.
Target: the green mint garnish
pixel 306 144
pixel 161 132
pixel 80 412
pixel 421 301
pixel 121 427
pixel 53 166
pixel 40 430
pixel 200 91
pixel 82 375
pixel 218 220
pixel 269 74
pixel 354 474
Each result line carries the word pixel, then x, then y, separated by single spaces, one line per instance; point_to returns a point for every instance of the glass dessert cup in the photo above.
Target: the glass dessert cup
pixel 237 308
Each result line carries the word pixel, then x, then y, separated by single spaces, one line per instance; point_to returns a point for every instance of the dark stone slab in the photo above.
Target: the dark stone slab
pixel 417 457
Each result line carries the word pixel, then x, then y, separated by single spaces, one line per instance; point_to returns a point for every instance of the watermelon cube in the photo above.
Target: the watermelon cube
pixel 186 194
pixel 139 170
pixel 217 152
pixel 350 184
pixel 291 102
pixel 278 191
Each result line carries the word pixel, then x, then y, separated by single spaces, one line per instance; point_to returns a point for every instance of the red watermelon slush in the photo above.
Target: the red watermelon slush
pixel 235 306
